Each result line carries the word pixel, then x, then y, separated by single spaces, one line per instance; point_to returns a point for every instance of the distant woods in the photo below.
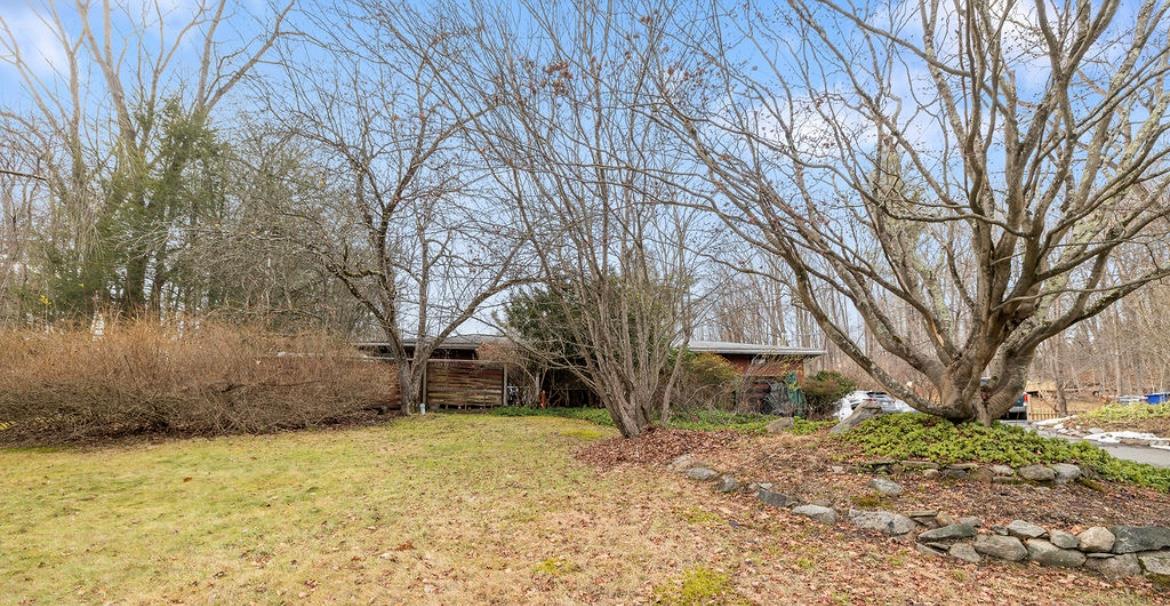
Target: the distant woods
pixel 936 197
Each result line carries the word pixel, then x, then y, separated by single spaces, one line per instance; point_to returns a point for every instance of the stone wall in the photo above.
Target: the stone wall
pixel 1115 552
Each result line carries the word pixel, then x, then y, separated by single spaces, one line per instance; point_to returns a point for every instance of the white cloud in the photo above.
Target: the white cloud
pixel 36 40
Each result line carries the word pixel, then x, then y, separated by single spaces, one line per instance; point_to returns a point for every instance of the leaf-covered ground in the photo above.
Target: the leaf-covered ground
pixel 446 509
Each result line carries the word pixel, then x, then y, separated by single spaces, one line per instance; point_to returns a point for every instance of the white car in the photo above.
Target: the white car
pixel 854 399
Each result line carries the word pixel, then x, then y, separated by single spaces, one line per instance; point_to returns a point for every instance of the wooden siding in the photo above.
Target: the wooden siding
pixel 458 383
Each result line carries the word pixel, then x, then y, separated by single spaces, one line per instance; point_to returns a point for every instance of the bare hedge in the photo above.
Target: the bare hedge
pixel 143 379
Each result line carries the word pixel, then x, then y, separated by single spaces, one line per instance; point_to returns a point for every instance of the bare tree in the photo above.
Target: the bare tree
pixel 967 165
pixel 123 74
pixel 400 208
pixel 586 171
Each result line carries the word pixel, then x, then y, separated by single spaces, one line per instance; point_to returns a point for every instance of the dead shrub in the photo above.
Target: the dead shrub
pixel 68 386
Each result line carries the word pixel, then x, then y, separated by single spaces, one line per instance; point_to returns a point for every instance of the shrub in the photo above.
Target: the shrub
pixel 143 378
pixel 919 436
pixel 823 389
pixel 705 380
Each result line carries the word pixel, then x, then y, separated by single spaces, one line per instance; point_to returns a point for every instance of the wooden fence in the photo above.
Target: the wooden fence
pixel 459 384
pixel 465 383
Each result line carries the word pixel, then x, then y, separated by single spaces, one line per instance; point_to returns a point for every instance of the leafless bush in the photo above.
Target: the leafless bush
pixel 143 378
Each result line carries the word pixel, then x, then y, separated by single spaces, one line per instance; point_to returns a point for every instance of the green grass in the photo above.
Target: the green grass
pixel 594 415
pixel 556 567
pixel 441 509
pixel 700 420
pixel 919 436
pixel 698 586
pixel 345 516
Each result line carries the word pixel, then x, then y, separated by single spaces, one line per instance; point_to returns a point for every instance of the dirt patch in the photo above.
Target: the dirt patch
pixel 818 468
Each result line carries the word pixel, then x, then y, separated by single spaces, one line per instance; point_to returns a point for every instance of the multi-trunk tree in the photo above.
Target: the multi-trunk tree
pixel 982 170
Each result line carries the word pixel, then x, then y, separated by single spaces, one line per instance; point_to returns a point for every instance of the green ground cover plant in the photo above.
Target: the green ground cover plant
pixel 919 436
pixel 696 420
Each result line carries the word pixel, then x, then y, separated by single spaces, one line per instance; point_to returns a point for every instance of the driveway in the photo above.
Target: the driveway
pixel 1157 457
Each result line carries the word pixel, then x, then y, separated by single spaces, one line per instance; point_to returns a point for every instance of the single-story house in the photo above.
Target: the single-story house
pixel 457 376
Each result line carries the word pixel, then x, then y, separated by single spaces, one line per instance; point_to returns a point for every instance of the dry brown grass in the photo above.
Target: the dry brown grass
pixel 141 378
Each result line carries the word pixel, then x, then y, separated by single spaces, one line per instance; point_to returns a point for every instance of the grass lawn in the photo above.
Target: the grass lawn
pixel 444 509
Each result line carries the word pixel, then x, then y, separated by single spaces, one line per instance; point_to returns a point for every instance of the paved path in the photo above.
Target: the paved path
pixel 1152 456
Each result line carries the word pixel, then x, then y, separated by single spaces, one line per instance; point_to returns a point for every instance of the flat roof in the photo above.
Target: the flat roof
pixel 754 349
pixel 453 342
pixel 472 342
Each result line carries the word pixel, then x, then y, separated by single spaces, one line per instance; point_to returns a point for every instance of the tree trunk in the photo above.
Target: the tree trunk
pixel 409 387
pixel 632 414
pixel 134 285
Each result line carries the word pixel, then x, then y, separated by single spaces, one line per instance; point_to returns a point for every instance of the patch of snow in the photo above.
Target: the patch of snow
pixel 1115 437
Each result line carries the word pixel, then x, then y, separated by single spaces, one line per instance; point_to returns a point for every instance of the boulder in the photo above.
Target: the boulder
pixel 971 521
pixel 930 473
pixel 1156 563
pixel 1131 539
pixel 955 474
pixel 1065 472
pixel 982 474
pixel 1096 540
pixel 727 483
pixel 886 488
pixel 1025 530
pixel 1063 539
pixel 1002 470
pixel 1004 548
pixel 702 474
pixel 1048 554
pixel 965 552
pixel 917 465
pixel 817 512
pixel 682 463
pixel 893 524
pixel 954 531
pixel 1037 473
pixel 780 425
pixel 770 497
pixel 1115 567
pixel 862 413
pixel 929 550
